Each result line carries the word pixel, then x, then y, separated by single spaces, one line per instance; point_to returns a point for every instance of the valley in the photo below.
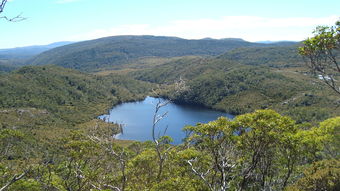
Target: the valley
pixel 51 102
pixel 169 95
pixel 247 77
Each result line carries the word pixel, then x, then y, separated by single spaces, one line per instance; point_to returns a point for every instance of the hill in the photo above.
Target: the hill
pixel 106 52
pixel 278 56
pixel 28 51
pixel 239 86
pixel 53 141
pixel 68 94
pixel 12 58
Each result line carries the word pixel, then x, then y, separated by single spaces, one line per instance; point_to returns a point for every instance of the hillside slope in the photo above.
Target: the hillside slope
pixel 69 94
pixel 12 58
pixel 117 50
pixel 237 87
pixel 277 57
pixel 28 51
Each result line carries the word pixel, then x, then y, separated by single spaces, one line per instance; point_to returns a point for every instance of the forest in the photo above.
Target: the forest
pixel 285 96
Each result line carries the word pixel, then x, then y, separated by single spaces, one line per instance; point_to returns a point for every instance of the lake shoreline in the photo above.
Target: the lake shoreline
pixel 136 118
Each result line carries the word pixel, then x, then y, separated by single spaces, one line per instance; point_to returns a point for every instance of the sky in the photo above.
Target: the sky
pixel 49 21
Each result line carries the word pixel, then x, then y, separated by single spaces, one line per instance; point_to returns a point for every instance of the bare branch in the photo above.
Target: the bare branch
pixel 2 5
pixel 14 179
pixel 200 174
pixel 105 141
pixel 112 187
pixel 17 18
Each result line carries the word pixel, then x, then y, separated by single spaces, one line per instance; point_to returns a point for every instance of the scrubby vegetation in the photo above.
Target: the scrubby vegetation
pixel 239 88
pixel 51 138
pixel 260 150
pixel 70 95
pixel 109 52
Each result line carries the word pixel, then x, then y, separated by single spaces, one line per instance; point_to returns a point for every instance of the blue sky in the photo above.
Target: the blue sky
pixel 75 20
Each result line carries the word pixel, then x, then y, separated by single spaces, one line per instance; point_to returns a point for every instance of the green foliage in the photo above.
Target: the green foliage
pixel 331 129
pixel 260 150
pixel 108 52
pixel 29 185
pixel 322 54
pixel 276 57
pixel 179 183
pixel 39 108
pixel 5 67
pixel 143 170
pixel 70 95
pixel 238 88
pixel 58 90
pixel 13 145
pixel 322 175
pixel 325 39
pixel 47 124
pixel 322 141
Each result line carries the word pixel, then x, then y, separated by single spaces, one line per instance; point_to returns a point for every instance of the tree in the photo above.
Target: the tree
pixel 160 142
pixel 322 54
pixel 262 150
pixel 270 150
pixel 215 160
pixel 12 147
pixel 104 137
pixel 322 175
pixel 12 19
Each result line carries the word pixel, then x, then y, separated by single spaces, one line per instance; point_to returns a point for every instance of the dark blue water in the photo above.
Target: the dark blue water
pixel 137 117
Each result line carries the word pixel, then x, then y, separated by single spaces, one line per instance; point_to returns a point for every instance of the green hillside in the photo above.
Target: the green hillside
pixel 15 57
pixel 50 133
pixel 238 87
pixel 68 94
pixel 118 50
pixel 277 57
pixel 4 67
pixel 238 81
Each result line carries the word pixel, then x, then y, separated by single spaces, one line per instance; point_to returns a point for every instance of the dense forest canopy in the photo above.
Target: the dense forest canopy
pixel 117 50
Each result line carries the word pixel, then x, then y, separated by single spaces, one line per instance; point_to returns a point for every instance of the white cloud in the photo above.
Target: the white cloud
pixel 250 28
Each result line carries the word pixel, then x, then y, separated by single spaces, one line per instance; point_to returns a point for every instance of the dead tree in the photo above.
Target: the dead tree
pixel 156 139
pixel 13 180
pixel 160 141
pixel 11 19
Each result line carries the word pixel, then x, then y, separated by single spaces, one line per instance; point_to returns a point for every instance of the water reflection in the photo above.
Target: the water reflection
pixel 136 118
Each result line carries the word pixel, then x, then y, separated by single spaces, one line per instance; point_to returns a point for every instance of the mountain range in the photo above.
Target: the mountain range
pixel 29 51
pixel 106 52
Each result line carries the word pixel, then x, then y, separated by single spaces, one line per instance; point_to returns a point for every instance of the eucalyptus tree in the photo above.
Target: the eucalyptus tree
pixel 322 54
pixel 255 151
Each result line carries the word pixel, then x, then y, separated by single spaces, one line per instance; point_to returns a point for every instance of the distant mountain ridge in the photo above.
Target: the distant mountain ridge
pixel 117 50
pixel 28 51
pixel 12 58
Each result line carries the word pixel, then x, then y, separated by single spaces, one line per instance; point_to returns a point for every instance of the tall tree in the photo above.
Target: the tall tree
pixel 322 54
pixel 255 151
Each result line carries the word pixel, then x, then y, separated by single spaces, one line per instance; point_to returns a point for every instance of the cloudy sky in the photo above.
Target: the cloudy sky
pixel 75 20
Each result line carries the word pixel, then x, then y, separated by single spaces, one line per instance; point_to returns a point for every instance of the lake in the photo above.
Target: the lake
pixel 137 117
